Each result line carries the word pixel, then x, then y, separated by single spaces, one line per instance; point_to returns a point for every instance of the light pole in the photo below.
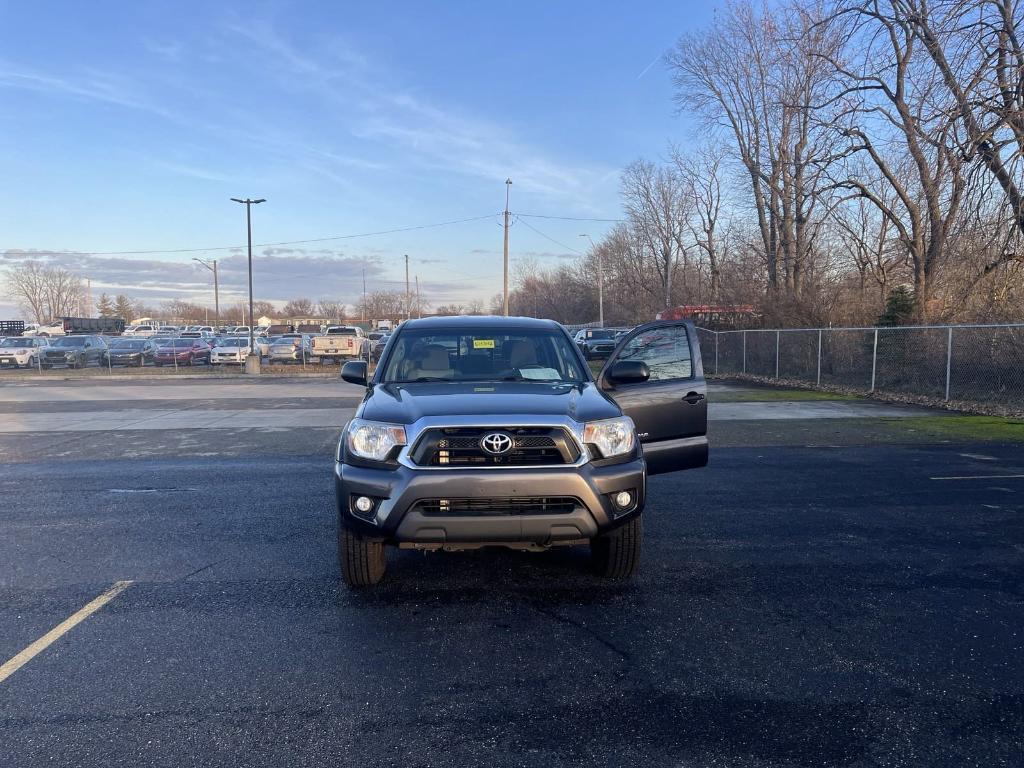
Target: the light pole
pixel 600 281
pixel 216 291
pixel 251 367
pixel 504 293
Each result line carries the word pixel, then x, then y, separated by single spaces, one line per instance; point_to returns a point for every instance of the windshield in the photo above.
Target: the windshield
pixel 17 342
pixel 233 343
pixel 179 343
pixel 70 341
pixel 482 354
pixel 133 345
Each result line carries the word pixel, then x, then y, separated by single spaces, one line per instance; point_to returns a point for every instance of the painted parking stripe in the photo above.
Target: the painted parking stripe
pixel 11 666
pixel 979 477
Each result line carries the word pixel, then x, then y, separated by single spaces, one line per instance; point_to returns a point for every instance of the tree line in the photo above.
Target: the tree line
pixel 850 150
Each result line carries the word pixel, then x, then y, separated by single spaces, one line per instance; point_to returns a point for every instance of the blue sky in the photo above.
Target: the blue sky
pixel 127 126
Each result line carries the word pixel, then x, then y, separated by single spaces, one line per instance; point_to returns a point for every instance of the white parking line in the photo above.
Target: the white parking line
pixel 11 666
pixel 978 477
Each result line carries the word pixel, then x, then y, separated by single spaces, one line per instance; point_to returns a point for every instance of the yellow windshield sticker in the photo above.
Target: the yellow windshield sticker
pixel 483 343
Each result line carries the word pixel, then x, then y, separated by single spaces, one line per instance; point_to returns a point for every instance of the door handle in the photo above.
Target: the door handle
pixel 693 397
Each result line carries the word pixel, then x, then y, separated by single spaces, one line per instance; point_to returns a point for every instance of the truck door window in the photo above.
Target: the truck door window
pixel 665 350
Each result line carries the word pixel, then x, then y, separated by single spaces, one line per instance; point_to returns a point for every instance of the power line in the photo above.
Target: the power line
pixel 569 218
pixel 547 237
pixel 284 242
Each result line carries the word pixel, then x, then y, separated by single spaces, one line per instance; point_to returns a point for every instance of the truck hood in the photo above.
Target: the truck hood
pixel 406 403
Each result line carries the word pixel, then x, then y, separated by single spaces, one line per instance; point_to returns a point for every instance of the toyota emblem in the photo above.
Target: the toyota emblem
pixel 496 443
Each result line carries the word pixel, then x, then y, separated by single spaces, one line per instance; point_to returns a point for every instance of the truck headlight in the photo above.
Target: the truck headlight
pixel 612 437
pixel 373 440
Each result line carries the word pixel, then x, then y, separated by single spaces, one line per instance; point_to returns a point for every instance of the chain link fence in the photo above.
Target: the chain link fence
pixel 964 363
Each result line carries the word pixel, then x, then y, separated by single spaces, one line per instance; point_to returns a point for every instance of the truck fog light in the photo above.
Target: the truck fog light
pixel 623 499
pixel 364 504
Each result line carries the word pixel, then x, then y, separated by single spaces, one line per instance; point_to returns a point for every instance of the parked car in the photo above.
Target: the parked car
pixel 377 347
pixel 74 351
pixel 141 331
pixel 182 351
pixel 262 344
pixel 22 351
pixel 595 343
pixel 492 431
pixel 231 350
pixel 56 328
pixel 339 343
pixel 289 348
pixel 131 351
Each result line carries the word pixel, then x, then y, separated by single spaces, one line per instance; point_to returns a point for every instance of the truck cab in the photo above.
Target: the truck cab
pixel 477 431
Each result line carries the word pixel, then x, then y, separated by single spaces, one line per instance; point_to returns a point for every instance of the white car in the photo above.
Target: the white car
pixel 140 331
pixel 232 351
pixel 56 328
pixel 21 351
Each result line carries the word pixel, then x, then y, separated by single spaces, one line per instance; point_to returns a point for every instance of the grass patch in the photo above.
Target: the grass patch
pixel 984 428
pixel 777 395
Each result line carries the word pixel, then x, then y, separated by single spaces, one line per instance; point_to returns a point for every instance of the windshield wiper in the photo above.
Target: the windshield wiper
pixel 423 378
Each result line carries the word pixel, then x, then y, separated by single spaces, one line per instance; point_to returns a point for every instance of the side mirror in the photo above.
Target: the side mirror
pixel 629 372
pixel 354 372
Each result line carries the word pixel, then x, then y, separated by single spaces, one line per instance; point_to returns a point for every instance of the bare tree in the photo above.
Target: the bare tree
pixel 702 179
pixel 44 293
pixel 889 95
pixel 334 310
pixel 299 308
pixel 383 305
pixel 757 73
pixel 977 47
pixel 658 208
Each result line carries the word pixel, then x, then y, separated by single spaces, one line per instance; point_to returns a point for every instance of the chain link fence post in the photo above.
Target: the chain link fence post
pixel 744 351
pixel 716 353
pixel 949 359
pixel 819 358
pixel 778 336
pixel 874 360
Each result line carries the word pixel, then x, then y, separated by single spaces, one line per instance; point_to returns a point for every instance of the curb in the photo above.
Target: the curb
pixel 37 378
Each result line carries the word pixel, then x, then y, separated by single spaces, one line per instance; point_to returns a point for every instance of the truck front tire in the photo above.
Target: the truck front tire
pixel 616 554
pixel 362 561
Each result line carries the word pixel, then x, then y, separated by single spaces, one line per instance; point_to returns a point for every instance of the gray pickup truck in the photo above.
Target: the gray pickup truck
pixel 479 431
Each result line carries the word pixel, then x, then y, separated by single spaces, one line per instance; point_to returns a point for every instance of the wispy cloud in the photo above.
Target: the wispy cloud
pixel 90 85
pixel 380 109
pixel 191 171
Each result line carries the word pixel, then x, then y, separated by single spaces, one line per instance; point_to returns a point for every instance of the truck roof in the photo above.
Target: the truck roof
pixel 455 322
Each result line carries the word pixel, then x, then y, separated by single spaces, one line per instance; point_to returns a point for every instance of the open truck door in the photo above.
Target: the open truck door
pixel 656 376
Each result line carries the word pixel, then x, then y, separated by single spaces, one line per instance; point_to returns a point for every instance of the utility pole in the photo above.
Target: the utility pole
pixel 419 307
pixel 408 305
pixel 252 361
pixel 362 308
pixel 88 297
pixel 216 292
pixel 504 293
pixel 600 281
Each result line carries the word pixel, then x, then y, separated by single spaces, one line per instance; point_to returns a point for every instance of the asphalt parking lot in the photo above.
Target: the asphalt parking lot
pixel 842 586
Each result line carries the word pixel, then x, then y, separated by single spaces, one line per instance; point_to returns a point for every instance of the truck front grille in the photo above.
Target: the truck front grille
pixel 533 505
pixel 462 447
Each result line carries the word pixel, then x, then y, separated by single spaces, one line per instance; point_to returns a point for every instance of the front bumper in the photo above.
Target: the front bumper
pixel 395 520
pixel 17 360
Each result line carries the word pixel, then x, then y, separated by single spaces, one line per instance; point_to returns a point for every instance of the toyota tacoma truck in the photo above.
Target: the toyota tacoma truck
pixel 477 431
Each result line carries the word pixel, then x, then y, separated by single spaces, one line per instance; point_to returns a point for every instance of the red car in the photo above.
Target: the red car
pixel 182 352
